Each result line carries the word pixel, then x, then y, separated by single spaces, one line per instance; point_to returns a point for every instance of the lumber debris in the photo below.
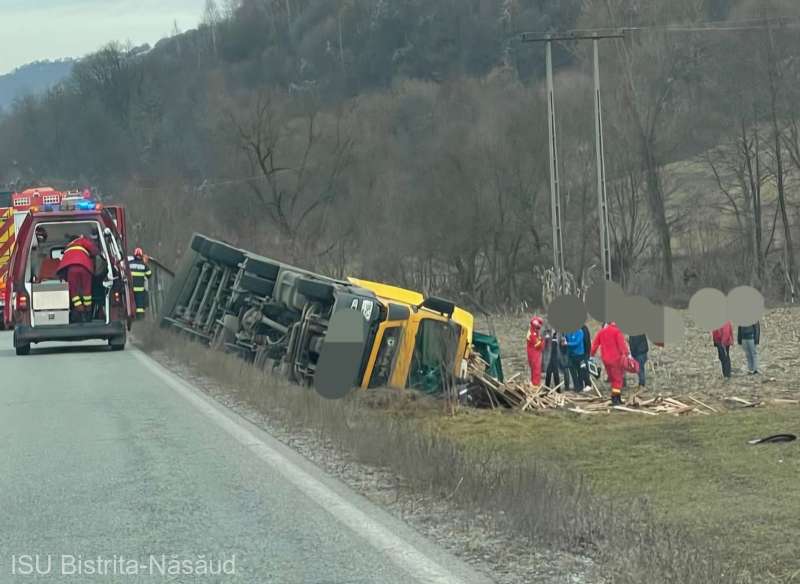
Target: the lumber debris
pixel 517 393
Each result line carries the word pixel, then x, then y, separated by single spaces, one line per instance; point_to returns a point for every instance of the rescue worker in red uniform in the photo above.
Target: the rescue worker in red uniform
pixel 613 350
pixel 77 267
pixel 535 348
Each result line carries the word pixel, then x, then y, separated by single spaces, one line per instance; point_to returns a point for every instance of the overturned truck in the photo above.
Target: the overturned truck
pixel 279 317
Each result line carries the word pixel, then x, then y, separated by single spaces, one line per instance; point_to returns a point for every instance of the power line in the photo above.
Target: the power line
pixel 616 32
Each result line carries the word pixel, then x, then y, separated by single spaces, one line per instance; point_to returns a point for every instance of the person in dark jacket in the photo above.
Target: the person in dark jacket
pixel 552 345
pixel 723 339
pixel 749 337
pixel 639 348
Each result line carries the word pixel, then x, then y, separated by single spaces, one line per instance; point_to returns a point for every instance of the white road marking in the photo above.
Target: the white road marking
pixel 421 567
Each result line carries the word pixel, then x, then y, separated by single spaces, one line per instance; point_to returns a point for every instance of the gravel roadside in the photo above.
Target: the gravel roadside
pixel 470 536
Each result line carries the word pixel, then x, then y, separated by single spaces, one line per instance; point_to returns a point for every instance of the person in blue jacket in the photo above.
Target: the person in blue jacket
pixel 576 349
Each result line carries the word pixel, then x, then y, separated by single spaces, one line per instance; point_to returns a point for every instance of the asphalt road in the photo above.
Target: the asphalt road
pixel 114 470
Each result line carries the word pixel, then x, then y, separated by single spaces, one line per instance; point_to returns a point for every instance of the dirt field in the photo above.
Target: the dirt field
pixel 693 366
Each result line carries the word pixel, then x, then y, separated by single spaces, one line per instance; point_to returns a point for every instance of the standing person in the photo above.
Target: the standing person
pixel 639 349
pixel 563 359
pixel 587 348
pixel 748 337
pixel 576 352
pixel 535 347
pixel 723 339
pixel 552 342
pixel 140 272
pixel 613 350
pixel 77 267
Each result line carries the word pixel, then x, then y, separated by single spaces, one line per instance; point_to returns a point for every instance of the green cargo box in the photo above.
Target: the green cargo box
pixel 488 348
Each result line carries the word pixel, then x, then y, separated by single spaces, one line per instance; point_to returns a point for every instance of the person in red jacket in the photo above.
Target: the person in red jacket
pixel 77 267
pixel 535 348
pixel 723 339
pixel 613 349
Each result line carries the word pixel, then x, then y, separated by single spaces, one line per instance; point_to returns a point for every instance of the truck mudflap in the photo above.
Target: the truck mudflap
pixel 341 356
pixel 24 334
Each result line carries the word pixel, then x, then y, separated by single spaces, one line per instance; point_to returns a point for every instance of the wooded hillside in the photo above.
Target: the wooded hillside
pixel 408 140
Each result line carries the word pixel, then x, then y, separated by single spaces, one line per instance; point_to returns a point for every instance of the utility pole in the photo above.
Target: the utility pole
pixel 555 194
pixel 602 199
pixel 555 187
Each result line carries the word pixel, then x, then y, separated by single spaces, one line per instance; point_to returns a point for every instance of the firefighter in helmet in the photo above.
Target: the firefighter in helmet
pixel 140 272
pixel 77 267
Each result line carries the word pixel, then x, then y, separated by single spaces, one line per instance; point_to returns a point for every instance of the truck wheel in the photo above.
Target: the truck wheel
pixel 262 269
pixel 117 343
pixel 256 285
pixel 21 349
pixel 225 254
pixel 315 290
pixel 199 243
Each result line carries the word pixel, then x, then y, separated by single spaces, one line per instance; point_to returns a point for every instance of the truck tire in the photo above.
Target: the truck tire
pixel 257 286
pixel 315 290
pixel 118 343
pixel 225 254
pixel 21 350
pixel 199 243
pixel 262 269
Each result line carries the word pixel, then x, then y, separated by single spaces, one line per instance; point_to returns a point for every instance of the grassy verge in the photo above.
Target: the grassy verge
pixel 571 484
pixel 696 473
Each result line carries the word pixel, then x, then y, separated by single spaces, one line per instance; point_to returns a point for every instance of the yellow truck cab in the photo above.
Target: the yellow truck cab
pixel 416 338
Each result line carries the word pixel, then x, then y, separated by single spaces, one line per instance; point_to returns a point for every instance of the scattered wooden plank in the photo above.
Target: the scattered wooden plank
pixel 633 411
pixel 741 401
pixel 582 411
pixel 682 411
pixel 676 403
pixel 698 402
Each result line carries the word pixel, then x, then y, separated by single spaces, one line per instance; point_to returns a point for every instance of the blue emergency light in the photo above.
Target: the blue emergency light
pixel 86 205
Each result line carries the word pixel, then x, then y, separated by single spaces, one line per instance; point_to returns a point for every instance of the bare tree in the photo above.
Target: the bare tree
pixel 211 19
pixel 296 169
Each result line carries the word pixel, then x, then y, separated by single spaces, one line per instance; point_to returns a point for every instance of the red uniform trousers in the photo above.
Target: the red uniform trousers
pixel 535 362
pixel 615 377
pixel 79 280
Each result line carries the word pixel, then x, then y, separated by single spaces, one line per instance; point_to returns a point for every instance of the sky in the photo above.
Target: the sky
pixel 52 29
